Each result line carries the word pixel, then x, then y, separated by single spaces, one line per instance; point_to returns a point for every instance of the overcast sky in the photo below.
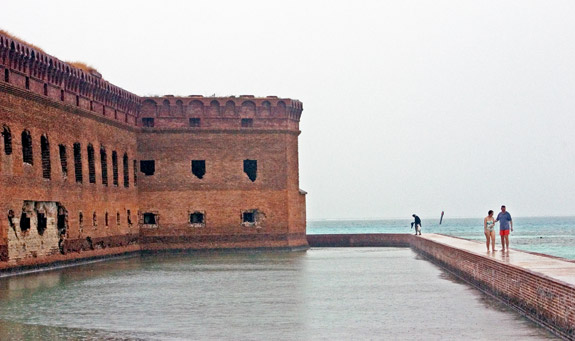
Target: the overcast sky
pixel 409 106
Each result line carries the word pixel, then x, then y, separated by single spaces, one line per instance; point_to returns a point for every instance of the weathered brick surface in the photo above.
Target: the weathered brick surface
pixel 546 300
pixel 52 100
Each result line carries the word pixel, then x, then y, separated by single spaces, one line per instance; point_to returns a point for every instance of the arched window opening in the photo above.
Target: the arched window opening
pixel 118 220
pixel 94 220
pixel 104 164
pixel 126 171
pixel 6 76
pixel 45 89
pixel 27 83
pixel 42 223
pixel 78 162
pixel 62 95
pixel 135 169
pixel 129 218
pixel 106 219
pixel 115 167
pixel 7 140
pixel 27 155
pixel 63 160
pixel 24 222
pixel 91 165
pixel 45 150
pixel 80 221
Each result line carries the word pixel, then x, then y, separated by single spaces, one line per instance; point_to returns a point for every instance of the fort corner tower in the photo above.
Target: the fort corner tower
pixel 221 172
pixel 89 169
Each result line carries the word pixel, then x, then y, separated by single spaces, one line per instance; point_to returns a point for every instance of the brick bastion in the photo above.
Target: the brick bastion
pixel 541 287
pixel 88 169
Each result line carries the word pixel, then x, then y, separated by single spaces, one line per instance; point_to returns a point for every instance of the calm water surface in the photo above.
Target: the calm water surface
pixel 321 294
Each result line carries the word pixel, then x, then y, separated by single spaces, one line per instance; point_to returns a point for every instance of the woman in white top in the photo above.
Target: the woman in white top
pixel 489 229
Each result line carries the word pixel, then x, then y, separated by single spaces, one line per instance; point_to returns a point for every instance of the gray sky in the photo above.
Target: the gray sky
pixel 409 106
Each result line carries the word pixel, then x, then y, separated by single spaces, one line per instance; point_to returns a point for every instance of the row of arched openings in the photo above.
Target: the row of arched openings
pixel 28 158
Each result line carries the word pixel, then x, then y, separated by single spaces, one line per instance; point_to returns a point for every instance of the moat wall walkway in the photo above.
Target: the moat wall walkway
pixel 540 286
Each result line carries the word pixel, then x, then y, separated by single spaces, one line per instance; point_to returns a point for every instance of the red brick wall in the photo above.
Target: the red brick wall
pixel 548 301
pixel 357 240
pixel 47 97
pixel 225 191
pixel 64 125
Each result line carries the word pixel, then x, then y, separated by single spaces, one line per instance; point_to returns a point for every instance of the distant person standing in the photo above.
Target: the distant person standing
pixel 489 230
pixel 505 227
pixel 417 224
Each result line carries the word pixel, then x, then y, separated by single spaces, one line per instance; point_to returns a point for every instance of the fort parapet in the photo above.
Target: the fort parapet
pixel 88 169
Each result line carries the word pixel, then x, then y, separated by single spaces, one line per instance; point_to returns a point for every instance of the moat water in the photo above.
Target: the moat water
pixel 321 294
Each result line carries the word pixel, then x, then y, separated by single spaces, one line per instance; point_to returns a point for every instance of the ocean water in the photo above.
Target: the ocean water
pixel 548 235
pixel 319 294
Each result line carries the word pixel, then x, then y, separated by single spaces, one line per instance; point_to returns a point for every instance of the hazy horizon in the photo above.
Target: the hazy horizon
pixel 455 106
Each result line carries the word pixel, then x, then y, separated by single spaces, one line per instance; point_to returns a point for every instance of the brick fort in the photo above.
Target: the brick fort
pixel 88 169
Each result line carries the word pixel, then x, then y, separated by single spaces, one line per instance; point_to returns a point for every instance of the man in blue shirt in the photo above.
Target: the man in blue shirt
pixel 505 227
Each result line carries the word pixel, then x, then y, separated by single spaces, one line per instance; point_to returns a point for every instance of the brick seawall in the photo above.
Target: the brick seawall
pixel 539 286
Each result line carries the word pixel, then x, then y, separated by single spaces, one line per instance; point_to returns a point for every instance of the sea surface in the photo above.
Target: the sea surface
pixel 548 235
pixel 319 294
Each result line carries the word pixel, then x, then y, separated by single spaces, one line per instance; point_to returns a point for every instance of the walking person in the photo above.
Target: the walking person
pixel 505 227
pixel 489 230
pixel 417 224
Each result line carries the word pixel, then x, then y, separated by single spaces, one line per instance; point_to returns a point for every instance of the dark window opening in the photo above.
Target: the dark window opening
pixel 104 165
pixel 199 168
pixel 62 95
pixel 91 165
pixel 27 155
pixel 7 140
pixel 24 222
pixel 45 89
pixel 106 219
pixel 94 220
pixel 77 100
pixel 45 151
pixel 63 160
pixel 149 219
pixel 135 166
pixel 249 217
pixel 118 218
pixel 126 172
pixel 6 76
pixel 197 218
pixel 42 223
pixel 80 221
pixel 247 122
pixel 129 218
pixel 148 122
pixel 61 224
pixel 194 122
pixel 148 167
pixel 115 168
pixel 251 169
pixel 27 84
pixel 78 162
pixel 91 106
